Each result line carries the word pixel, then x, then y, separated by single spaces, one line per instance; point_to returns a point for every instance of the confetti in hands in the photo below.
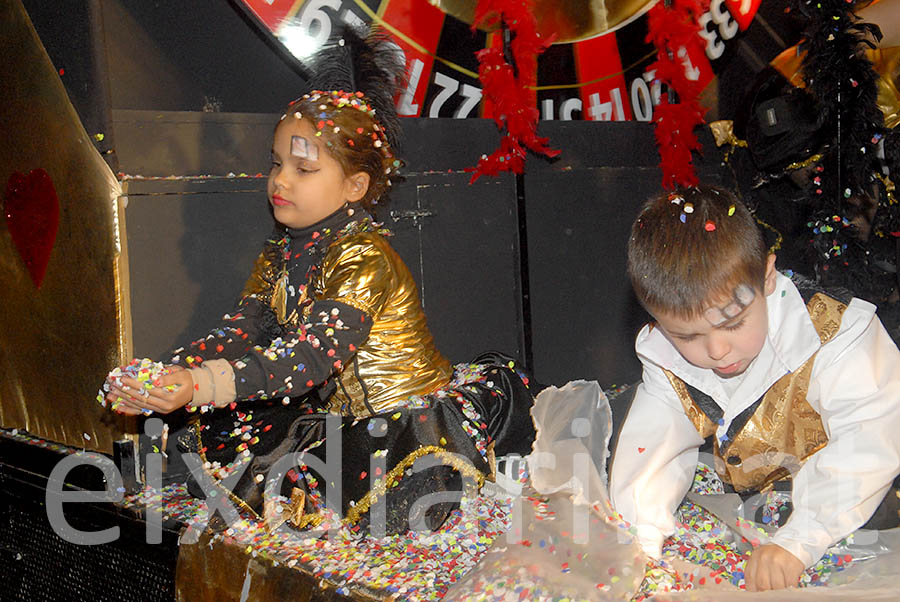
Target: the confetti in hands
pixel 145 371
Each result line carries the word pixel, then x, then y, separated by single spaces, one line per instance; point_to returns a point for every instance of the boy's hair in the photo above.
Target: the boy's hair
pixel 694 246
pixel 351 107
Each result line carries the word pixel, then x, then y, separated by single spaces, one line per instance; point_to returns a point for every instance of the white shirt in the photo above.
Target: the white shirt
pixel 854 386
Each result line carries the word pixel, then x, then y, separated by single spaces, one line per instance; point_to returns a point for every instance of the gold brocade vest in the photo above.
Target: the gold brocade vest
pixel 399 358
pixel 781 429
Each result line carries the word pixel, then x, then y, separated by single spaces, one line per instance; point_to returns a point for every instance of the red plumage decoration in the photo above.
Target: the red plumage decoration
pixel 511 90
pixel 673 30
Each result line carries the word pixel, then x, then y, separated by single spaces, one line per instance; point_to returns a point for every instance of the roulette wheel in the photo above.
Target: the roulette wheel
pixel 595 69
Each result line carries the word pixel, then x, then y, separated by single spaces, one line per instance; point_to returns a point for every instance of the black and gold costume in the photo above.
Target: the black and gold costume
pixel 770 440
pixel 330 324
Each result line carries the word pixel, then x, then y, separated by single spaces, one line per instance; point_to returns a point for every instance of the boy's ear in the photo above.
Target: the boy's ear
pixel 356 186
pixel 769 286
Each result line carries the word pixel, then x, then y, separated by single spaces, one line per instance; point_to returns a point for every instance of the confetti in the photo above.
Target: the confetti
pixel 420 567
pixel 146 371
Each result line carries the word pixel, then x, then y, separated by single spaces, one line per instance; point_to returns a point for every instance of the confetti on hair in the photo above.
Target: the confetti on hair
pixel 360 71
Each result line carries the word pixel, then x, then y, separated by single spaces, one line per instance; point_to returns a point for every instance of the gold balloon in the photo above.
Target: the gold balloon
pixel 568 20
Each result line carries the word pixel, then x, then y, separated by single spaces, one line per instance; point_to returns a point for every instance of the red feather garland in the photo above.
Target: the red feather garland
pixel 512 94
pixel 673 30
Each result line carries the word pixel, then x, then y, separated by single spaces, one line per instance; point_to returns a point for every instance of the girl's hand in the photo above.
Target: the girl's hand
pixel 133 399
pixel 772 567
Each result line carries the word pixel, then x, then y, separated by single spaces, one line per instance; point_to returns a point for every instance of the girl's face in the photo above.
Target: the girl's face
pixel 306 184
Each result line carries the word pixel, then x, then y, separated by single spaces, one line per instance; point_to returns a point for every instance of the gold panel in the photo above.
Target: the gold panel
pixel 569 20
pixel 211 570
pixel 57 341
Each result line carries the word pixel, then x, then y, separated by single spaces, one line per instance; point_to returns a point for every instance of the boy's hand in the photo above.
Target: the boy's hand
pixel 134 399
pixel 772 567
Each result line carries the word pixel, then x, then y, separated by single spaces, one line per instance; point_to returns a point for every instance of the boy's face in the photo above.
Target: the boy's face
pixel 728 347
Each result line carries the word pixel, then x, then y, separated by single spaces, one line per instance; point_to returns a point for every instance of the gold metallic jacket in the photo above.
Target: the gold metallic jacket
pixel 399 358
pixel 783 430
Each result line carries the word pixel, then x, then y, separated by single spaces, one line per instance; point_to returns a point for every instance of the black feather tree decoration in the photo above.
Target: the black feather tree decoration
pixel 838 74
pixel 844 188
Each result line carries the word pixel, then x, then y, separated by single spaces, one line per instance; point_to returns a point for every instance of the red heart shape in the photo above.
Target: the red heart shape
pixel 641 450
pixel 32 218
pixel 743 11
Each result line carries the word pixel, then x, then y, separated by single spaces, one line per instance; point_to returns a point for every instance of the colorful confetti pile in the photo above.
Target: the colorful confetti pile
pixel 415 566
pixel 712 547
pixel 124 177
pixel 555 561
pixel 704 552
pixel 144 370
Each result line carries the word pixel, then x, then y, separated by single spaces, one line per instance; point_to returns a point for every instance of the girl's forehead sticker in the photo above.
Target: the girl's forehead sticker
pixel 303 148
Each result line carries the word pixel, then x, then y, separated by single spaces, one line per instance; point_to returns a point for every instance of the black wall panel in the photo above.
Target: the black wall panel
pixel 533 266
pixel 460 240
pixel 464 253
pixel 579 209
pixel 193 235
pixel 200 55
pixel 191 248
pixel 73 36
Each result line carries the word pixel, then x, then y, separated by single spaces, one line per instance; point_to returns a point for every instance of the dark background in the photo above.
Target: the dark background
pixel 530 265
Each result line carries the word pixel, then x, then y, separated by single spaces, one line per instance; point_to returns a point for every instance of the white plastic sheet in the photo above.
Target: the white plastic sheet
pixel 566 544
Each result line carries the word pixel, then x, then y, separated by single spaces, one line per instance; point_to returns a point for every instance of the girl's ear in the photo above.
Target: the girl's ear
pixel 356 186
pixel 770 275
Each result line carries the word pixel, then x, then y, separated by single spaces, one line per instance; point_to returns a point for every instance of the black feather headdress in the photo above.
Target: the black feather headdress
pixel 350 104
pixel 367 62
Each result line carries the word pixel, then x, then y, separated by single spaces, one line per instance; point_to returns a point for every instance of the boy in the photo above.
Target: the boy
pixel 784 387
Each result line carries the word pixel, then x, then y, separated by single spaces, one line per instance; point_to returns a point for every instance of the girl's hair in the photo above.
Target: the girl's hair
pixel 693 247
pixel 351 106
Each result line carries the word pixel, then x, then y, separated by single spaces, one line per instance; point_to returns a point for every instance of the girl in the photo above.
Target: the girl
pixel 330 323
